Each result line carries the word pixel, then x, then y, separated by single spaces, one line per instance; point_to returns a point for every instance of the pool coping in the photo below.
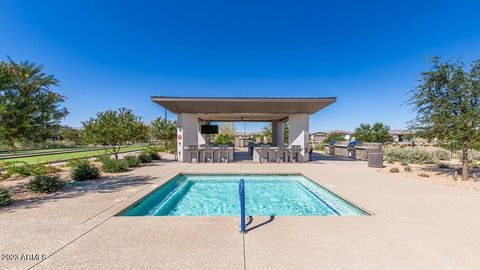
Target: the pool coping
pixel 142 198
pixel 81 232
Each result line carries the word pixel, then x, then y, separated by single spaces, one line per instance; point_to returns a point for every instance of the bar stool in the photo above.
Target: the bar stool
pixel 295 152
pixel 264 153
pixel 223 149
pixel 282 153
pixel 193 149
pixel 208 149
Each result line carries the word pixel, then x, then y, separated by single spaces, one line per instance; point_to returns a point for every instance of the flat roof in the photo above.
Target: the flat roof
pixel 244 108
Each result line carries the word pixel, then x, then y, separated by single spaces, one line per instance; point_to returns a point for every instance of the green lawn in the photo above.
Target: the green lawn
pixel 40 151
pixel 66 156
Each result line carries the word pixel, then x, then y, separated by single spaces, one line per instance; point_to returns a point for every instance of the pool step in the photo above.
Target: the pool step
pixel 168 198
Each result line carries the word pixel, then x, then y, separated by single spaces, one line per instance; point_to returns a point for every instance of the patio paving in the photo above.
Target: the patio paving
pixel 414 225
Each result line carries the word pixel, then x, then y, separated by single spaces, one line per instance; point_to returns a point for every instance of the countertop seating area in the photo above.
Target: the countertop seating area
pixel 281 153
pixel 263 153
pixel 209 153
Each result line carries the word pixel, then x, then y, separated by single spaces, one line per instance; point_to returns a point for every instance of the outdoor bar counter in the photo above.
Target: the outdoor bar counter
pixel 202 152
pixel 290 154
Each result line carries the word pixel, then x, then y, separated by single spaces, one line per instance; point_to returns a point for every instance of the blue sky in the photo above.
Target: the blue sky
pixel 368 54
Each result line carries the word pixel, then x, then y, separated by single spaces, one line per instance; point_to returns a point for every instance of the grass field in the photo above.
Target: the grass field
pixel 41 151
pixel 66 156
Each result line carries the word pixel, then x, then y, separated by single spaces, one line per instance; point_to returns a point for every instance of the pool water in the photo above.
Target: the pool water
pixel 265 195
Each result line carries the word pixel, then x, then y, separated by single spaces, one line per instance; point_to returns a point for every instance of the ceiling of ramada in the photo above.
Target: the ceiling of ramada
pixel 242 109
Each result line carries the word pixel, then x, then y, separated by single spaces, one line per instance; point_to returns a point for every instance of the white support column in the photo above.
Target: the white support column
pixel 298 130
pixel 187 133
pixel 201 137
pixel 277 132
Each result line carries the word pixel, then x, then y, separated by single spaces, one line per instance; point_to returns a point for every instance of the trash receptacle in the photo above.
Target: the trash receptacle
pixel 250 148
pixel 375 159
pixel 331 148
pixel 352 153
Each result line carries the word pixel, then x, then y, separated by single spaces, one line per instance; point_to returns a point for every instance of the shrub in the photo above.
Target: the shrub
pixel 443 165
pixel 320 147
pixel 45 183
pixel 132 161
pixel 75 162
pixel 223 138
pixel 390 161
pixel 5 172
pixel 171 148
pixel 5 198
pixel 84 171
pixel 152 151
pixel 473 155
pixel 441 154
pixel 423 175
pixel 18 167
pixel 410 155
pixel 144 158
pixel 404 163
pixel 11 168
pixel 155 156
pixel 52 169
pixel 394 170
pixel 114 165
pixel 407 168
pixel 101 158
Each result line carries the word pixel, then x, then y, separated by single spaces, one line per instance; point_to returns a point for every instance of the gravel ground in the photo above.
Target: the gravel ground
pixel 432 173
pixel 23 197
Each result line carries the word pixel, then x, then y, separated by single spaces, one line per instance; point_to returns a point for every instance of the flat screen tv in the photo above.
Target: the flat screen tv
pixel 209 129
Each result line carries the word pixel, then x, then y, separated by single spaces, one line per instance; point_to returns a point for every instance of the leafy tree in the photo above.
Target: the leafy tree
pixel 143 133
pixel 227 133
pixel 447 103
pixel 378 133
pixel 164 130
pixel 113 129
pixel 267 133
pixel 334 137
pixel 224 138
pixel 71 134
pixel 228 128
pixel 410 136
pixel 258 136
pixel 48 115
pixel 29 108
pixel 6 76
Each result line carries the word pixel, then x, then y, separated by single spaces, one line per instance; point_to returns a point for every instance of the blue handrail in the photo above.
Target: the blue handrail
pixel 241 193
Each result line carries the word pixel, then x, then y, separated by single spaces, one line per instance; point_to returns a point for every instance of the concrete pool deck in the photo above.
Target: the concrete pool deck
pixel 414 225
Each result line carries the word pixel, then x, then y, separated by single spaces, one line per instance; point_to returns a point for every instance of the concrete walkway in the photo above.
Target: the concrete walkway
pixel 415 225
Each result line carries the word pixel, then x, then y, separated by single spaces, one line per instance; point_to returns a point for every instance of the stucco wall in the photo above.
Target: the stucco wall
pixel 361 150
pixel 298 130
pixel 187 133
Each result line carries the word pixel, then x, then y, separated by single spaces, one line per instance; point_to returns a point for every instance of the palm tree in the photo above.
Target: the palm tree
pixel 29 108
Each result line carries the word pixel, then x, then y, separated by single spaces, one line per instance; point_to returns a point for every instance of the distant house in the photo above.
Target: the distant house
pixel 320 136
pixel 399 135
pixel 348 135
pixel 317 137
pixel 58 135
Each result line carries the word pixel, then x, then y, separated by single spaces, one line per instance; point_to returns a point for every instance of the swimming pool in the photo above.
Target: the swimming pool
pixel 265 195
